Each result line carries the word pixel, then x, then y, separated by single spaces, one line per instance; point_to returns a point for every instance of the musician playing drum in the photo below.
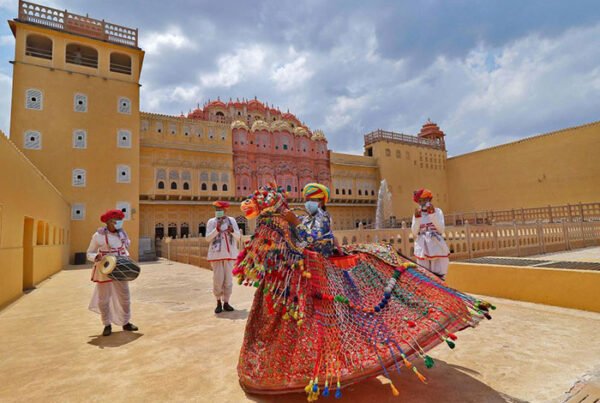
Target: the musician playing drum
pixel 111 298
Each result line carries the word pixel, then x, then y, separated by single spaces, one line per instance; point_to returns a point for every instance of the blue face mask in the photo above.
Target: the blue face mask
pixel 119 224
pixel 219 213
pixel 312 207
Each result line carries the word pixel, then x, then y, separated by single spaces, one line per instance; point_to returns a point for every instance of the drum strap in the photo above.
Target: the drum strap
pixel 119 251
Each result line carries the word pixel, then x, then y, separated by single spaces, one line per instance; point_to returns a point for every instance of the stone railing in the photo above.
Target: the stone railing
pixel 550 214
pixel 465 242
pixel 77 24
pixel 384 135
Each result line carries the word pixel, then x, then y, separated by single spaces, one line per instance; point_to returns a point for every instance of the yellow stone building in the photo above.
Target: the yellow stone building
pixel 75 112
pixel 85 147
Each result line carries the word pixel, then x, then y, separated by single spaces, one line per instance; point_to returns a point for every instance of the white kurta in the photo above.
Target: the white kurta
pixel 223 244
pixel 430 246
pixel 111 299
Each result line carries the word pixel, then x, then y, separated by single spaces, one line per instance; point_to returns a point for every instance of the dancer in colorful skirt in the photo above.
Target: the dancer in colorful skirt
pixel 111 298
pixel 223 234
pixel 427 227
pixel 318 324
pixel 314 229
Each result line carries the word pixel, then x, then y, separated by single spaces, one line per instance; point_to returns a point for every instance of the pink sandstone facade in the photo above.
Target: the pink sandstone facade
pixel 270 146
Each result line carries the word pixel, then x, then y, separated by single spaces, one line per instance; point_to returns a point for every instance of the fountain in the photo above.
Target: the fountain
pixel 384 206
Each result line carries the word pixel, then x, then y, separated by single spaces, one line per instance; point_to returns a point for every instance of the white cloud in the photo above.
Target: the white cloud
pixel 292 75
pixel 6 40
pixel 171 38
pixel 5 88
pixel 236 67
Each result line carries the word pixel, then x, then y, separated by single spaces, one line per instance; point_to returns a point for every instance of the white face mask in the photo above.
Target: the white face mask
pixel 312 207
pixel 219 213
pixel 119 224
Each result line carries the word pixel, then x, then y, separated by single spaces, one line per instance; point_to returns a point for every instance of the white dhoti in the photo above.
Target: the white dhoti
pixel 437 266
pixel 431 249
pixel 222 279
pixel 112 301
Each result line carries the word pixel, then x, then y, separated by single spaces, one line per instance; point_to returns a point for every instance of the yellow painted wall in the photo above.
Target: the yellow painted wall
pixel 59 82
pixel 408 168
pixel 577 289
pixel 553 169
pixel 173 213
pixel 180 146
pixel 25 192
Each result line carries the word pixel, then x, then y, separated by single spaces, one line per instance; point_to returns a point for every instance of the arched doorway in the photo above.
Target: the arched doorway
pixel 172 230
pixel 159 231
pixel 185 230
pixel 242 222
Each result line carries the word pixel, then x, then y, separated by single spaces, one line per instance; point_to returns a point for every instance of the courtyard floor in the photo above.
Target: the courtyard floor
pixel 51 349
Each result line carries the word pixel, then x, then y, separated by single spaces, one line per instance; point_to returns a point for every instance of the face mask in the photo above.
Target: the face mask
pixel 119 224
pixel 312 207
pixel 219 214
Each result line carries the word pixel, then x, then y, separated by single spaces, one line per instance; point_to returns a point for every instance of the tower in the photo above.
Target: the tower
pixel 410 162
pixel 75 112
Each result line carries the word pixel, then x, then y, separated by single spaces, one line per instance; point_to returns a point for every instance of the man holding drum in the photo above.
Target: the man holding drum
pixel 111 298
pixel 223 233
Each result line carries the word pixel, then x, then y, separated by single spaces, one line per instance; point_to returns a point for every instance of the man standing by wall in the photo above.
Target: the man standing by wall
pixel 427 228
pixel 223 234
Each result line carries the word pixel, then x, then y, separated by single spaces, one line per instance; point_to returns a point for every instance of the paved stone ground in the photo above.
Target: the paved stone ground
pixel 583 255
pixel 51 350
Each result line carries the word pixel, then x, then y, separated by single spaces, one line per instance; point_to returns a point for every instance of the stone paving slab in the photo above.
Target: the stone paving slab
pixel 51 349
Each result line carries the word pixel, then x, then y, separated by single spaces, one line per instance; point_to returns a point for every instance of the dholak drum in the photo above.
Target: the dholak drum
pixel 120 268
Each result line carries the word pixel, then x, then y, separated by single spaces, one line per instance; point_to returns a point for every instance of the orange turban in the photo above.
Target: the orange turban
pixel 221 204
pixel 422 194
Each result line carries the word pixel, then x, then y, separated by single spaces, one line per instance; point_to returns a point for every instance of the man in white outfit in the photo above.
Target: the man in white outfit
pixel 111 298
pixel 428 226
pixel 223 234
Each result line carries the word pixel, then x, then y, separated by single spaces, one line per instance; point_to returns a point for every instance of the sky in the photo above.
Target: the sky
pixel 487 72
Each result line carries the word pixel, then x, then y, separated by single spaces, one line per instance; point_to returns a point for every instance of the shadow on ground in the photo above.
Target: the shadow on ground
pixel 235 315
pixel 446 383
pixel 116 339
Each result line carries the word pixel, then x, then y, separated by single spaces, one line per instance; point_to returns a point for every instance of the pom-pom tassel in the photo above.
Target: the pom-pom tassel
pixel 429 363
pixel 338 392
pixel 394 390
pixel 419 375
pixel 450 344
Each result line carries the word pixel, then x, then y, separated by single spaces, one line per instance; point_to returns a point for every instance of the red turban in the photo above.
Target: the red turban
pixel 422 194
pixel 110 214
pixel 221 204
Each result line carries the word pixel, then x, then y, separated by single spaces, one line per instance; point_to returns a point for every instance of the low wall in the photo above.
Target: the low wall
pixel 471 241
pixel 577 289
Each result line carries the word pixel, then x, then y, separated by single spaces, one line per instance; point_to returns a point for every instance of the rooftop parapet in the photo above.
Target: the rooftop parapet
pixel 77 24
pixel 383 135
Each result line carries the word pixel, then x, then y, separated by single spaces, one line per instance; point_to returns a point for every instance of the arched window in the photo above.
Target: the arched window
pixel 214 187
pixel 39 46
pixel 161 185
pixel 388 152
pixel 289 188
pixel 120 63
pixel 359 192
pixel 343 191
pixel 203 187
pixel 350 192
pixel 186 186
pixel 173 185
pixel 372 193
pixel 224 187
pixel 81 55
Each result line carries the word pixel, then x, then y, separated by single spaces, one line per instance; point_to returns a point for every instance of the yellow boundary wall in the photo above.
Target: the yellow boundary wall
pixel 577 289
